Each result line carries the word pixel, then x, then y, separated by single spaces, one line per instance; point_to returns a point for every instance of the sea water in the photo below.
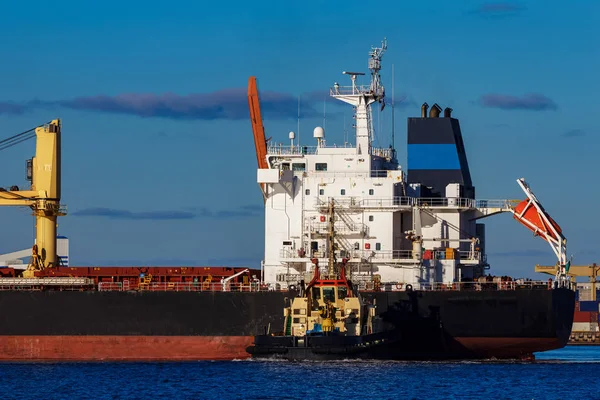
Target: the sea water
pixel 569 373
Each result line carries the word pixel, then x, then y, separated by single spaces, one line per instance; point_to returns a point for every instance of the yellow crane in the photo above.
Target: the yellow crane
pixel 44 172
pixel 591 271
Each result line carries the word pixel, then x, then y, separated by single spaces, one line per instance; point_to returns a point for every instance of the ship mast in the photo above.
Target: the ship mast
pixel 331 270
pixel 362 96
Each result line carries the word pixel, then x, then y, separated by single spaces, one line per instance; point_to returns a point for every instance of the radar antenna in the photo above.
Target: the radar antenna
pixel 376 54
pixel 362 96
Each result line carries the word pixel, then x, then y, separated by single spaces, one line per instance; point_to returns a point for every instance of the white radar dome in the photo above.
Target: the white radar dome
pixel 319 132
pixel 292 135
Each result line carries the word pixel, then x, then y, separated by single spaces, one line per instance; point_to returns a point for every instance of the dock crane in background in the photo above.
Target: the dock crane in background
pixel 258 129
pixel 44 173
pixel 590 271
pixel 530 213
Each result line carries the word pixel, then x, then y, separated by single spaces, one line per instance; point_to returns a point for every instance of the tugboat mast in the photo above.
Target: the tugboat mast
pixel 331 270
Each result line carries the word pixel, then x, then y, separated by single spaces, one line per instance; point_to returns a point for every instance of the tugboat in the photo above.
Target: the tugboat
pixel 328 319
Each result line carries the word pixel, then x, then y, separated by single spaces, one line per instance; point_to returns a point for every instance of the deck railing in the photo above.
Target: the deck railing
pixel 406 201
pixel 382 254
pixel 365 285
pixel 182 287
pixel 519 284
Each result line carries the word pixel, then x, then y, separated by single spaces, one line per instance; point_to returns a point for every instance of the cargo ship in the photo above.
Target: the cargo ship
pixel 412 242
pixel 586 318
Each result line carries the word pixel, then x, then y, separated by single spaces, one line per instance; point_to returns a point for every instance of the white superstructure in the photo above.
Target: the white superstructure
pixel 384 227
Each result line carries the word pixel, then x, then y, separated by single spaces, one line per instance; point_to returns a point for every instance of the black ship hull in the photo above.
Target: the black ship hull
pixel 91 325
pixel 324 347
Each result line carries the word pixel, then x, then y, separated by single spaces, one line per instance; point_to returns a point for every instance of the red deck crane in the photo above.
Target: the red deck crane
pixel 260 142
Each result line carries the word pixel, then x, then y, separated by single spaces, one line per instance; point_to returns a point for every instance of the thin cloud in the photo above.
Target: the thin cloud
pixel 230 104
pixel 497 10
pixel 222 104
pixel 530 102
pixel 11 108
pixel 574 133
pixel 112 213
pixel 189 213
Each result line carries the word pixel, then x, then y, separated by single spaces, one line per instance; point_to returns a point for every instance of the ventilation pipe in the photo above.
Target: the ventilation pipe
pixel 435 111
pixel 447 112
pixel 424 108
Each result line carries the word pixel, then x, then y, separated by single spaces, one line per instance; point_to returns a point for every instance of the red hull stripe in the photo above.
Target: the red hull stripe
pixel 194 348
pixel 508 347
pixel 123 348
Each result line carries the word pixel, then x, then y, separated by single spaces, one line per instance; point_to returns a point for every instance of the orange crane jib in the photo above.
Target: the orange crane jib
pixel 257 125
pixel 532 220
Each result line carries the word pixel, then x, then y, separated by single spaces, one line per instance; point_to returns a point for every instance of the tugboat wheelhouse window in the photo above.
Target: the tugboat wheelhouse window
pixel 329 294
pixel 316 293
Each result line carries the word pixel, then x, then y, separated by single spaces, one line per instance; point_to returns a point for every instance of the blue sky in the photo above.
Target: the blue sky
pixel 158 157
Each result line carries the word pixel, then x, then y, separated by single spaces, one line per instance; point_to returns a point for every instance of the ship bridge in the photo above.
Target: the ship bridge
pixel 418 226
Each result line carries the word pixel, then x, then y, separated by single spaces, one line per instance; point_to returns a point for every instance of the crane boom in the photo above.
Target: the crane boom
pixel 43 197
pixel 257 125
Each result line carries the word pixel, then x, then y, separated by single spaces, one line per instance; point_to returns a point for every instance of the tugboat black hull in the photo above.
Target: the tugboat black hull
pixel 511 324
pixel 323 348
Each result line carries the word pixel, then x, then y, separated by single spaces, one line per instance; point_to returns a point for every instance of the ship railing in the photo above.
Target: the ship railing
pixel 402 201
pixel 359 202
pixel 349 90
pixel 352 254
pixel 462 255
pixel 111 286
pixel 397 201
pixel 340 227
pixel 34 287
pixel 383 255
pixel 501 204
pixel 282 149
pixel 498 284
pixel 51 281
pixel 184 287
pixel 444 202
pixel 382 152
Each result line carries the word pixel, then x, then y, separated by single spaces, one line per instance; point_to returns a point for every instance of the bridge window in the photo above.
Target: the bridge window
pixel 307 192
pixel 329 294
pixel 377 246
pixel 298 166
pixel 316 293
pixel 371 192
pixel 321 166
pixel 342 292
pixel 371 218
pixel 285 166
pixel 343 192
pixel 321 192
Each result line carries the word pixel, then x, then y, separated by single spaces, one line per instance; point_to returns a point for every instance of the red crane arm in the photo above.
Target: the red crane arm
pixel 257 125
